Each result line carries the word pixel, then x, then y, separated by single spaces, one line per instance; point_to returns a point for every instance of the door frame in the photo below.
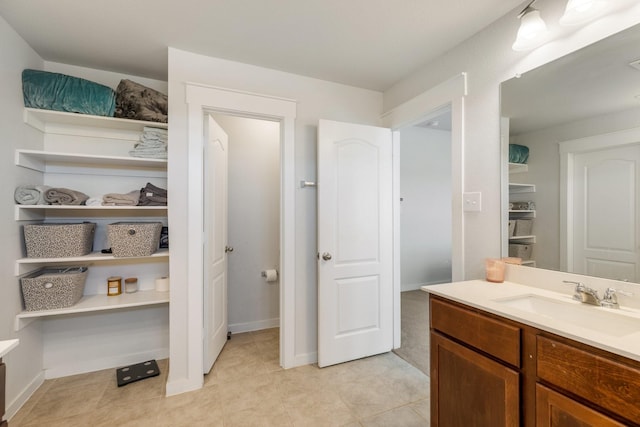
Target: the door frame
pixel 412 112
pixel 568 150
pixel 204 99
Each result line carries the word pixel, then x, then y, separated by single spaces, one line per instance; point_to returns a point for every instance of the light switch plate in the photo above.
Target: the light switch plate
pixel 472 201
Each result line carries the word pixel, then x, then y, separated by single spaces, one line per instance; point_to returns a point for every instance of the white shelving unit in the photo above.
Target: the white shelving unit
pixel 69 125
pixel 519 189
pixel 97 303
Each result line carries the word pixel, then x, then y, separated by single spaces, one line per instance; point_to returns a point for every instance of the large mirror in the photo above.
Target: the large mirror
pixel 574 205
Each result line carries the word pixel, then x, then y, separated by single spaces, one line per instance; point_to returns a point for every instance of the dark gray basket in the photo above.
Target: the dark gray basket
pixel 59 240
pixel 52 287
pixel 134 239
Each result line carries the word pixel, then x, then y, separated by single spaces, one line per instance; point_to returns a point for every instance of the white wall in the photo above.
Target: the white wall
pixel 544 172
pixel 425 216
pixel 254 221
pixel 24 364
pixel 488 59
pixel 315 99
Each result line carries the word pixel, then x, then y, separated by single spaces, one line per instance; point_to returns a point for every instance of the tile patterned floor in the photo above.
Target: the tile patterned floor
pixel 245 388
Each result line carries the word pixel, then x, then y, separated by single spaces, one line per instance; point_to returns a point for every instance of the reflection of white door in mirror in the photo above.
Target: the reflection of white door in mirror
pixel 603 213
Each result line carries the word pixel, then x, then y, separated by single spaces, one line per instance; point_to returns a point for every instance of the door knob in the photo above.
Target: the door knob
pixel 326 256
pixel 228 249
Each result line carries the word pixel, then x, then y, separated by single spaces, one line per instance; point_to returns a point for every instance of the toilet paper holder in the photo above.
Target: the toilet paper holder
pixel 263 273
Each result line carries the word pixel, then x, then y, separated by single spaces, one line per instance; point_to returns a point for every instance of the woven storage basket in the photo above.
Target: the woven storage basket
pixel 52 287
pixel 519 250
pixel 58 240
pixel 134 239
pixel 523 227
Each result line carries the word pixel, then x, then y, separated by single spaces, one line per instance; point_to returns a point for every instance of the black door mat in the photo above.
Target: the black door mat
pixel 137 372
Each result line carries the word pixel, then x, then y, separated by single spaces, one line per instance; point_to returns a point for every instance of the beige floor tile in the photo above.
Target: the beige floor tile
pixel 403 416
pixel 246 388
pixel 321 408
pixel 266 414
pixel 66 402
pixel 423 407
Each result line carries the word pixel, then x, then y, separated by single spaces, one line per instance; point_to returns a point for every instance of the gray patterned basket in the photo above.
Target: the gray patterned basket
pixel 134 239
pixel 58 240
pixel 53 287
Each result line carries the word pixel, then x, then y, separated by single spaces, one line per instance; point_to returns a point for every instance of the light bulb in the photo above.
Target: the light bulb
pixel 532 31
pixel 581 11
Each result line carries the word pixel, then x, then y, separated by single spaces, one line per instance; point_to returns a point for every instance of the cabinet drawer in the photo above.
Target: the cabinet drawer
pixel 491 336
pixel 605 382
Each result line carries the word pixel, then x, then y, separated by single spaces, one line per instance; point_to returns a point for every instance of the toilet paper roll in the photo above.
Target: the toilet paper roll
pixel 270 275
pixel 162 284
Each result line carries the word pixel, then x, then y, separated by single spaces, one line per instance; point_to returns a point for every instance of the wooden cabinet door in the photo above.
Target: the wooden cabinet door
pixel 556 410
pixel 469 389
pixel 3 375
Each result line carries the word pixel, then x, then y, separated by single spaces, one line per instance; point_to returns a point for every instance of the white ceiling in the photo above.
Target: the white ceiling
pixel 365 43
pixel 593 81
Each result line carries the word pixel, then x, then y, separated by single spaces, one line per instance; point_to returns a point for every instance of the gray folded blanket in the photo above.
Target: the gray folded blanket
pixel 65 196
pixel 31 194
pixel 151 195
pixel 117 199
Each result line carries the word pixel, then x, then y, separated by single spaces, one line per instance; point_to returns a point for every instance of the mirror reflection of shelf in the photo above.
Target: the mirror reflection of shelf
pixel 528 239
pixel 521 188
pixel 518 167
pixel 522 213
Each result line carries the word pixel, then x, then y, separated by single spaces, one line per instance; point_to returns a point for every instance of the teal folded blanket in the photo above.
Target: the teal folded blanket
pixel 518 153
pixel 59 92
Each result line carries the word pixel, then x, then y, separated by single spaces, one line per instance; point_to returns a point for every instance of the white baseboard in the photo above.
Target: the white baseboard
pixel 305 359
pixel 22 398
pixel 105 363
pixel 258 325
pixel 174 387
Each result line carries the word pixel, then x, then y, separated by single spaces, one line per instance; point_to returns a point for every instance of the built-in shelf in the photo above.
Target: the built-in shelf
pixel 521 188
pixel 95 303
pixel 518 167
pixel 38 212
pixel 49 121
pixel 23 264
pixel 40 160
pixel 529 239
pixel 529 262
pixel 520 213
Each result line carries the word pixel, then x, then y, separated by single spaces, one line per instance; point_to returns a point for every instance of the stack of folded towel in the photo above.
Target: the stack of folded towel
pixel 45 195
pixel 65 196
pixel 117 199
pixel 150 195
pixel 31 194
pixel 153 144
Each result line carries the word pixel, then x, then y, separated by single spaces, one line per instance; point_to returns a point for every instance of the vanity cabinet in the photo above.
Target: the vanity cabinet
pixel 487 370
pixel 475 378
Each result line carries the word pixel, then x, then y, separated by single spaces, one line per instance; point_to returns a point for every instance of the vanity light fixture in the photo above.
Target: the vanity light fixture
pixel 532 31
pixel 581 11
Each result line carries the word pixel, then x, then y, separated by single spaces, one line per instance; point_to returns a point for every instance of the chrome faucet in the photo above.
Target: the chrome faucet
pixel 588 295
pixel 584 293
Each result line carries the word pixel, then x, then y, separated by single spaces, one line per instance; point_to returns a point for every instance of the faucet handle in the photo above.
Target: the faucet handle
pixel 579 287
pixel 611 297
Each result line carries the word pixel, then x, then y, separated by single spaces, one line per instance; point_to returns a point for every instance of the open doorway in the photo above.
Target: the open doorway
pixel 425 226
pixel 254 221
pixel 243 191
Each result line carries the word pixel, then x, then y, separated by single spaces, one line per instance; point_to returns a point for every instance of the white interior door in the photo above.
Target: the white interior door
pixel 215 242
pixel 605 213
pixel 355 242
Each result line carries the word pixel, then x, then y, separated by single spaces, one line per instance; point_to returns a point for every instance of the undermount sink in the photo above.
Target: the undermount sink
pixel 593 318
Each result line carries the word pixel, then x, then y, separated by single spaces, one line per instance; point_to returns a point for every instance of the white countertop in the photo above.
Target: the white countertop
pixel 486 296
pixel 6 346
